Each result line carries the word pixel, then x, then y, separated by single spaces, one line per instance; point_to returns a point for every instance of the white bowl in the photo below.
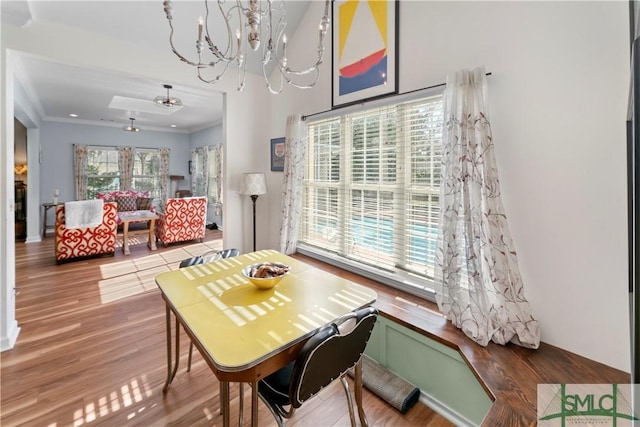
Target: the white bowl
pixel 267 282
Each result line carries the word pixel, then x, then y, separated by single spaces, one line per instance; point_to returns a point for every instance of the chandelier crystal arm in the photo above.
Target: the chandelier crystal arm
pixel 228 55
pixel 257 19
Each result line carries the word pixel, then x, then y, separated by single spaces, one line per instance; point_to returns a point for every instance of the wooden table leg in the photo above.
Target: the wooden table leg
pixel 125 233
pixel 152 236
pixel 46 208
pixel 224 402
pixel 241 404
pixel 254 404
pixel 44 223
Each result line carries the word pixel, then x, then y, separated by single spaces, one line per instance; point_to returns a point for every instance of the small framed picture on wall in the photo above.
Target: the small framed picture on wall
pixel 277 154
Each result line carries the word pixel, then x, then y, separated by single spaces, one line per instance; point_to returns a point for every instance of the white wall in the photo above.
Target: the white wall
pixel 9 328
pixel 558 95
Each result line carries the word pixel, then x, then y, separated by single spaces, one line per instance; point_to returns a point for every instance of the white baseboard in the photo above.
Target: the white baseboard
pixel 7 343
pixel 33 239
pixel 444 410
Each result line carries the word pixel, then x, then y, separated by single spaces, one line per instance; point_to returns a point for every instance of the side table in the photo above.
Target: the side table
pixel 46 207
pixel 137 216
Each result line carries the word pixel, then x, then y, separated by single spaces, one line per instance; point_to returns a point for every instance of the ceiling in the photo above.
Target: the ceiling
pixel 64 89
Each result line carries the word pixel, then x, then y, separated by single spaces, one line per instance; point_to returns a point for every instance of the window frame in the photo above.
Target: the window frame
pixel 400 278
pixel 93 148
pixel 155 193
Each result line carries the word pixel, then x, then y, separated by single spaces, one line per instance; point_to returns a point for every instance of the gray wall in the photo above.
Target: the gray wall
pixel 57 141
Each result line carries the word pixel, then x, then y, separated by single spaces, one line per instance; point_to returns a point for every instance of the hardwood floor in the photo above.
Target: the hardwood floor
pixel 92 351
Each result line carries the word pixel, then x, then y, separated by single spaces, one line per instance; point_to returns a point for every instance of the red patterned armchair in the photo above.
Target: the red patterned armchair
pixel 82 242
pixel 183 219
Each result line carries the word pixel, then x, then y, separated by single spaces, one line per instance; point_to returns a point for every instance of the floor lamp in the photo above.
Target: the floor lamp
pixel 253 184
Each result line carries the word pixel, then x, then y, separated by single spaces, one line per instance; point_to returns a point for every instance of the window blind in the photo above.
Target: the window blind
pixel 371 188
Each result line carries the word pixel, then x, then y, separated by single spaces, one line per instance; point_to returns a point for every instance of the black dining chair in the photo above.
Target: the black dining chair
pixel 325 357
pixel 207 257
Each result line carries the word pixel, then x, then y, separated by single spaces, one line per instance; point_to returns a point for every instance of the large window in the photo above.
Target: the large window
pixel 215 176
pixel 102 170
pixel 146 172
pixel 103 173
pixel 371 191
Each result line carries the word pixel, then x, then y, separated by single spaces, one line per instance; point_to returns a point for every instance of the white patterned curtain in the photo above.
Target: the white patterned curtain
pixel 125 167
pixel 478 283
pixel 295 154
pixel 216 151
pixel 80 174
pixel 164 174
pixel 200 173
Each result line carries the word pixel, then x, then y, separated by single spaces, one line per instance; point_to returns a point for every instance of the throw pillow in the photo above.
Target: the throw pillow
pixel 126 203
pixel 143 203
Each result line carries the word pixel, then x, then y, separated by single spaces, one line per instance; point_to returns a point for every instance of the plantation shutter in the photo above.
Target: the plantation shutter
pixel 372 183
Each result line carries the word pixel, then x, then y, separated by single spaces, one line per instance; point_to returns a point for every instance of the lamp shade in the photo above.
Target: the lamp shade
pixel 253 184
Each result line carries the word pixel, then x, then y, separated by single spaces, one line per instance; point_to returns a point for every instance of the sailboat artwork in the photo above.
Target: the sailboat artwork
pixel 364 49
pixel 363 55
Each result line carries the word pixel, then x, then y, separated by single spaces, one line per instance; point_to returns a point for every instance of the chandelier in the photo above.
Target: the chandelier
pixel 131 127
pixel 167 102
pixel 264 24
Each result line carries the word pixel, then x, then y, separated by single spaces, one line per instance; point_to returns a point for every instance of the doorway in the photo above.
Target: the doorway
pixel 20 171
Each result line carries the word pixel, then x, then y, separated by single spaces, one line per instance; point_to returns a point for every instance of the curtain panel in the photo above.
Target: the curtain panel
pixel 294 158
pixel 478 283
pixel 80 163
pixel 164 174
pixel 125 167
pixel 200 171
pixel 217 155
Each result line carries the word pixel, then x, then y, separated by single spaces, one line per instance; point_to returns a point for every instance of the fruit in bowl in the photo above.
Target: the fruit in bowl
pixel 266 275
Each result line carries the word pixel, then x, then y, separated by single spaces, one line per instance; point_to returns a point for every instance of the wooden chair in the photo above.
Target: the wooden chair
pixel 325 357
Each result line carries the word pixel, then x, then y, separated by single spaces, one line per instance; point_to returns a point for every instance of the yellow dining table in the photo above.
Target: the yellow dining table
pixel 243 333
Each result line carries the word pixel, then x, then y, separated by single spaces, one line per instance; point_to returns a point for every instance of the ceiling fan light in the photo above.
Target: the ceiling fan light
pixel 131 127
pixel 167 101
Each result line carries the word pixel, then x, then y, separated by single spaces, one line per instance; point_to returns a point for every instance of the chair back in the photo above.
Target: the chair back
pixel 209 256
pixel 330 353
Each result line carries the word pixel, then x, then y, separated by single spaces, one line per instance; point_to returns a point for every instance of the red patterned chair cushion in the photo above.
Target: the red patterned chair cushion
pixel 81 242
pixel 183 219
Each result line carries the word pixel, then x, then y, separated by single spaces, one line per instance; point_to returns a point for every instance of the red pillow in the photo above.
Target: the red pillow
pixel 126 203
pixel 143 203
